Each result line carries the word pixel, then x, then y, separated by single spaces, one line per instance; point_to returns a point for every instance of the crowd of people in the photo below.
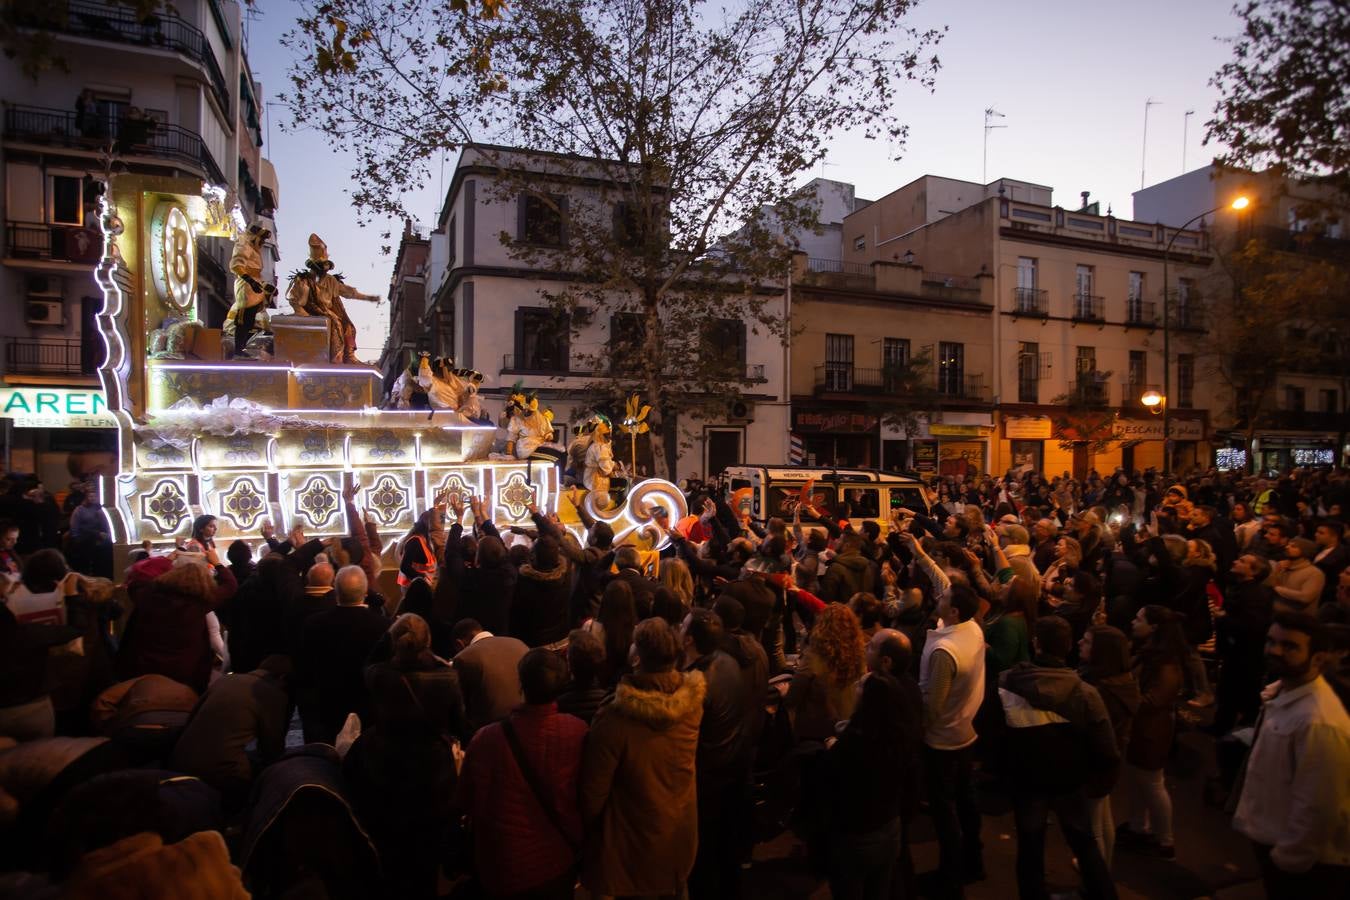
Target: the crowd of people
pixel 527 711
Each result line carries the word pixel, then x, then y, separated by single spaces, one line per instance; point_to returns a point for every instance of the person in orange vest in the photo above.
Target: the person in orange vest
pixel 418 556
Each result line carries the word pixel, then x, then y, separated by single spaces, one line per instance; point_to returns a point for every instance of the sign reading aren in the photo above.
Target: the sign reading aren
pixel 44 407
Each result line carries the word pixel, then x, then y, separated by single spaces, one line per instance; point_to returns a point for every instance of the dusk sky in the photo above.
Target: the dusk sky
pixel 1070 77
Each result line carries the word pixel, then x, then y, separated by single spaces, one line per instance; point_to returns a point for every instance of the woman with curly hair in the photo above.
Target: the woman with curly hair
pixel 822 692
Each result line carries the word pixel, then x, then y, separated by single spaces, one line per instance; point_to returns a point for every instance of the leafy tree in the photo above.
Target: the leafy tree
pixel 677 123
pixel 1270 312
pixel 1285 95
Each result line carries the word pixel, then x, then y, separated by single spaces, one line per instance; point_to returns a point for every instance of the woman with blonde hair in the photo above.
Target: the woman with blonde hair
pixel 822 692
pixel 675 578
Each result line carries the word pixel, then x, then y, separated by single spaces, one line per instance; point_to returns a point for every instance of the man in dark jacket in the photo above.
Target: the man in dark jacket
pixel 1206 525
pixel 889 652
pixel 1332 555
pixel 237 710
pixel 486 665
pixel 849 572
pixel 1058 731
pixel 630 573
pixel 1240 641
pixel 723 759
pixel 333 650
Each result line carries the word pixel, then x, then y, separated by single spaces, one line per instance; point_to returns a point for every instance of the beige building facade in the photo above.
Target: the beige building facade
pixel 1043 327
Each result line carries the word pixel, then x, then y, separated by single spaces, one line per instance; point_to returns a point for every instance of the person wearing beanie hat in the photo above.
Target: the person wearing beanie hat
pixel 1298 583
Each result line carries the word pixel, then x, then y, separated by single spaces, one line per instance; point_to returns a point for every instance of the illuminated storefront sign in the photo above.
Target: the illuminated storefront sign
pixel 34 407
pixel 1152 429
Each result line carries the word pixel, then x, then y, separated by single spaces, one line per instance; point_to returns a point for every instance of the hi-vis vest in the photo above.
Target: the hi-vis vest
pixel 427 569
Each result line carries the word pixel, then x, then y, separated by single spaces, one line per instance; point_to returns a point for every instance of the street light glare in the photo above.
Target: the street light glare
pixel 1151 399
pixel 1241 203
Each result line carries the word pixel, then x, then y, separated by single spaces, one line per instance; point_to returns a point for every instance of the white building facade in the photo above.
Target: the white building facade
pixel 489 310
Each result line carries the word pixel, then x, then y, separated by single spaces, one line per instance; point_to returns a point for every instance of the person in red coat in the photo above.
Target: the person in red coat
pixel 521 847
pixel 167 632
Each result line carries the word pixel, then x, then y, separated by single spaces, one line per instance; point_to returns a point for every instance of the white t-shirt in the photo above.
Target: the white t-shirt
pixel 47 608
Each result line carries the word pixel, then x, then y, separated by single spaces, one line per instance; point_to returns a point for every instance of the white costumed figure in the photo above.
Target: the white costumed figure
pixel 528 428
pixel 599 464
pixel 434 384
pixel 251 295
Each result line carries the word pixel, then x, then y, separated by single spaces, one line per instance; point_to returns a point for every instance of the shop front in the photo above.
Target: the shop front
pixel 842 438
pixel 58 434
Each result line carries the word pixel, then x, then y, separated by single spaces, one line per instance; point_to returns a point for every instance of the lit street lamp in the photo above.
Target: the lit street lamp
pixel 1238 204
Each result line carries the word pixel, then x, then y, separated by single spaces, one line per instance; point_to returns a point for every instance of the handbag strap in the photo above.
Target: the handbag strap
pixel 536 788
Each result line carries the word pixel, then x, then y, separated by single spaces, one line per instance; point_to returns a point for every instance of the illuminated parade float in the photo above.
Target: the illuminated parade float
pixel 271 417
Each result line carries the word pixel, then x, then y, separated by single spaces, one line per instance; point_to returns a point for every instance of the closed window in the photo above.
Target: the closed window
pixel 1329 398
pixel 951 368
pixel 1138 372
pixel 67 199
pixel 1028 372
pixel 542 340
pixel 1185 381
pixel 894 362
pixel 860 243
pixel 1294 399
pixel 541 220
pixel 1136 290
pixel 1026 273
pixel 839 362
pixel 626 334
pixel 724 345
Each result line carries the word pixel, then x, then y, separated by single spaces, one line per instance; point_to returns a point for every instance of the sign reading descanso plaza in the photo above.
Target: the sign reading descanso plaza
pixel 54 407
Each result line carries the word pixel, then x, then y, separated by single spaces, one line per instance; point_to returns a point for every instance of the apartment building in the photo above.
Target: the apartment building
pixel 169 95
pixel 1297 222
pixel 1045 326
pixel 407 305
pixel 891 366
pixel 489 309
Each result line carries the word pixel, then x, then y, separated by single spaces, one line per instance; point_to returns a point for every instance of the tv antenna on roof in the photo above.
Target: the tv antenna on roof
pixel 1143 153
pixel 989 114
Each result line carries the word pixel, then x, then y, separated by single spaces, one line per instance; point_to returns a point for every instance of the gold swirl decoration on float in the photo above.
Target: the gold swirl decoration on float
pixel 635 513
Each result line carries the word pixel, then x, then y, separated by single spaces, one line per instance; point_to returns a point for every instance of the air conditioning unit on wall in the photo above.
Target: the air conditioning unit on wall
pixel 43 312
pixel 740 412
pixel 44 287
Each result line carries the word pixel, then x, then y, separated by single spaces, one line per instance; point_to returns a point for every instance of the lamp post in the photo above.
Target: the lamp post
pixel 1238 203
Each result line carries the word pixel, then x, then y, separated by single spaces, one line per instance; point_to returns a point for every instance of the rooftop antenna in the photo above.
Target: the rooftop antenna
pixel 989 114
pixel 1185 126
pixel 1143 153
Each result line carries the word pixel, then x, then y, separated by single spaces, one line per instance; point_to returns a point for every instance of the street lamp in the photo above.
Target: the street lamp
pixel 1154 401
pixel 1238 203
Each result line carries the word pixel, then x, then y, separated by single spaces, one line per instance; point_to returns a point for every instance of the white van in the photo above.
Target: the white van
pixel 864 493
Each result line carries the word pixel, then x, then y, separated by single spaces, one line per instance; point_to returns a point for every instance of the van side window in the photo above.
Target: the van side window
pixel 738 483
pixel 863 503
pixel 908 497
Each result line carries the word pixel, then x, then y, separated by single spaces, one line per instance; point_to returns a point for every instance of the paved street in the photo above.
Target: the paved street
pixel 1212 859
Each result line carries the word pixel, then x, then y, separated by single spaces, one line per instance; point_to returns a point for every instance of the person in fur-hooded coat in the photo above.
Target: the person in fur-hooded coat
pixel 638 797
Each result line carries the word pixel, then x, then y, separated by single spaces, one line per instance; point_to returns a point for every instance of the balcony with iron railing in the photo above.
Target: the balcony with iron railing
pixel 30 356
pixel 1090 390
pixel 1088 308
pixel 128 137
pixel 960 386
pixel 161 31
pixel 1030 302
pixel 1186 315
pixel 52 243
pixel 1132 393
pixel 846 378
pixel 594 363
pixel 1141 312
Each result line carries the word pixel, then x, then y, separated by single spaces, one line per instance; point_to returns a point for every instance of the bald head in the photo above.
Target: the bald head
pixel 351 586
pixel 889 652
pixel 320 575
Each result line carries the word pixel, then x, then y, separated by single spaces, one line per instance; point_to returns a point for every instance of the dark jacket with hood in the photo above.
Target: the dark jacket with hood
pixel 1109 672
pixel 539 613
pixel 1058 727
pixel 847 575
